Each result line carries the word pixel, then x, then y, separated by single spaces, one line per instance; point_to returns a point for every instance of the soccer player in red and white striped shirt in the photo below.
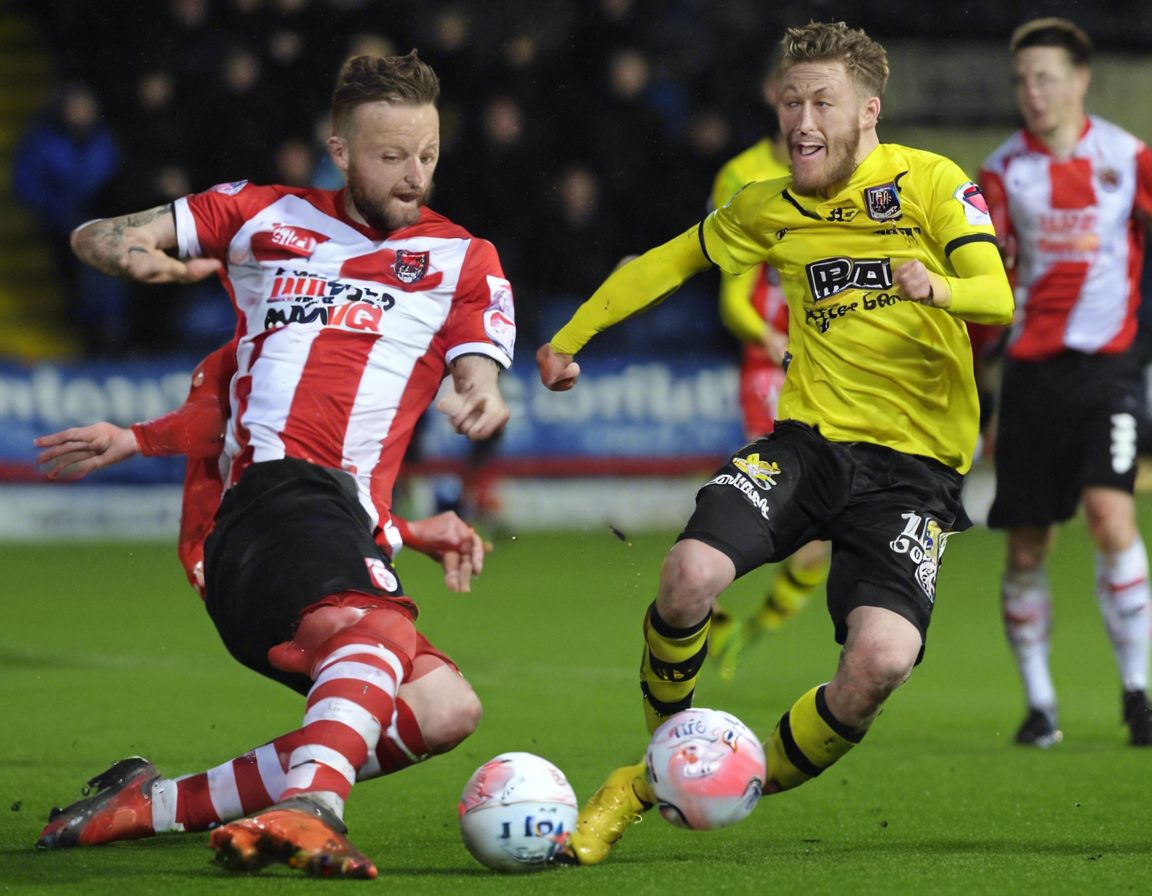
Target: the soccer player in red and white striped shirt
pixel 1070 196
pixel 352 305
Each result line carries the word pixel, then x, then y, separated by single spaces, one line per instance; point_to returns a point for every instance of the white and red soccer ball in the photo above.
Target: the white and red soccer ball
pixel 706 769
pixel 516 812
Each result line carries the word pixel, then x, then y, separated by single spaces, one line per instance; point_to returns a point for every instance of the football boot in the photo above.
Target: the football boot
pixel 1040 728
pixel 298 833
pixel 618 803
pixel 120 809
pixel 1138 718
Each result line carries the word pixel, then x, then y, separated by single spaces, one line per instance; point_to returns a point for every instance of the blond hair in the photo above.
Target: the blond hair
pixel 401 80
pixel 864 58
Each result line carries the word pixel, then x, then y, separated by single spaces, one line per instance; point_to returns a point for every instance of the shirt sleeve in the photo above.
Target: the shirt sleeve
pixel 483 317
pixel 206 222
pixel 196 428
pixel 959 213
pixel 731 236
pixel 1142 206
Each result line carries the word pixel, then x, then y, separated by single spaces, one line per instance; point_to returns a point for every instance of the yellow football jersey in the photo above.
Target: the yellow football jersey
pixel 757 162
pixel 867 365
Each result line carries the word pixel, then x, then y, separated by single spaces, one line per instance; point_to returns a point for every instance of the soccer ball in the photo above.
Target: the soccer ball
pixel 706 769
pixel 516 812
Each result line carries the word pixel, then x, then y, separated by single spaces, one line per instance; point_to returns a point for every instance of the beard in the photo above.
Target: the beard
pixel 839 163
pixel 387 214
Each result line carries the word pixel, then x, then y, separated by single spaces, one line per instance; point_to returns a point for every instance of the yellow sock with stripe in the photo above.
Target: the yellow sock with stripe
pixel 790 590
pixel 807 740
pixel 671 662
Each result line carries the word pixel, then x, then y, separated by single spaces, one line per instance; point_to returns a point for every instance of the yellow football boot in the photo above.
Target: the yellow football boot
pixel 618 803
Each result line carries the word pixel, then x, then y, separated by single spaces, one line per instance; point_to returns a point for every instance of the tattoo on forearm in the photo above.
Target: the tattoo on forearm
pixel 102 244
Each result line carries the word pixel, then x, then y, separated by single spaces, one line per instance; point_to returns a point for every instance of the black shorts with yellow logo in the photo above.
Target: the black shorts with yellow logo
pixel 887 515
pixel 1064 423
pixel 288 535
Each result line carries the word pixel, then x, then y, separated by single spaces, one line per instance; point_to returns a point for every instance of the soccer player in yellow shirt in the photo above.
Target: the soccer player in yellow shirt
pixel 884 252
pixel 754 309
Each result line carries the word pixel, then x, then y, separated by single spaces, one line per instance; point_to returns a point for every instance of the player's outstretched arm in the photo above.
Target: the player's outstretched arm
pixel 74 453
pixel 450 541
pixel 637 286
pixel 475 408
pixel 133 246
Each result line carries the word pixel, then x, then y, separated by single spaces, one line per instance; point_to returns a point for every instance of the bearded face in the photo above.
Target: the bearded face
pixel 820 111
pixel 388 154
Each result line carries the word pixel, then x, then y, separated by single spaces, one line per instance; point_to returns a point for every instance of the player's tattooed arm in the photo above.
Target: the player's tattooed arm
pixel 133 246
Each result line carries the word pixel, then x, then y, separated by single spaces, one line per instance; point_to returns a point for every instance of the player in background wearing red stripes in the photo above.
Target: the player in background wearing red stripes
pixel 1070 196
pixel 352 305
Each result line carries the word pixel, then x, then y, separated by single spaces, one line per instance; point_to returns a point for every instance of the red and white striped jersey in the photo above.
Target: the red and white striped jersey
pixel 344 332
pixel 1078 231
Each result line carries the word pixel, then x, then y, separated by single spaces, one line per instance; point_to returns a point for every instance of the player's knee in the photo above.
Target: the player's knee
pixel 450 723
pixel 1111 519
pixel 1027 549
pixel 875 674
pixel 690 579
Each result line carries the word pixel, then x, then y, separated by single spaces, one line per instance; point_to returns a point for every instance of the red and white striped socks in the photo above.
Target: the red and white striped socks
pixel 354 729
pixel 1125 599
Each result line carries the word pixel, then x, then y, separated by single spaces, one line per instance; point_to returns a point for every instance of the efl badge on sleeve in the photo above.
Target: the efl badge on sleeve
pixel 883 202
pixel 410 266
pixel 500 317
pixel 975 205
pixel 229 189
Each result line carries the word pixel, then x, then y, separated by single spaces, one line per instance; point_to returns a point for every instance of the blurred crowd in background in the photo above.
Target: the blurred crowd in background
pixel 575 132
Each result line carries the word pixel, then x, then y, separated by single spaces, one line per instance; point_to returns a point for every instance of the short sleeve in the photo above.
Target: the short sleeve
pixel 483 317
pixel 729 235
pixel 206 222
pixel 1143 202
pixel 996 197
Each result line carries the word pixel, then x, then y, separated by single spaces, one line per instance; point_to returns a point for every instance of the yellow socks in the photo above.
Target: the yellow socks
pixel 790 590
pixel 672 660
pixel 807 740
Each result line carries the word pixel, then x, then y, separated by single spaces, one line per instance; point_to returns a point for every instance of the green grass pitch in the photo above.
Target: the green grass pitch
pixel 105 652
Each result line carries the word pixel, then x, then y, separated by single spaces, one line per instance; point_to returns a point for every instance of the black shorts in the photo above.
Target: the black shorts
pixel 887 515
pixel 1065 423
pixel 288 535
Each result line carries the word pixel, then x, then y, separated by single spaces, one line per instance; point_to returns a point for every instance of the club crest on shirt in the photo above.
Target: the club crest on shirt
pixel 410 266
pixel 882 202
pixel 975 205
pixel 1109 179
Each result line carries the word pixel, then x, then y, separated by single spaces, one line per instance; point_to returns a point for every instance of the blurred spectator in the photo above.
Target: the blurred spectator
pixel 61 165
pixel 577 245
pixel 293 162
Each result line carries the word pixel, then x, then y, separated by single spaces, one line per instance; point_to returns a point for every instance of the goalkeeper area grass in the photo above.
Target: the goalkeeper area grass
pixel 106 652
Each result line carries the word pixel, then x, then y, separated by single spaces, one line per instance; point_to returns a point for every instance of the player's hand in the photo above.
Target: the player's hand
pixel 149 264
pixel 479 413
pixel 74 453
pixel 775 345
pixel 919 284
pixel 451 541
pixel 557 371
